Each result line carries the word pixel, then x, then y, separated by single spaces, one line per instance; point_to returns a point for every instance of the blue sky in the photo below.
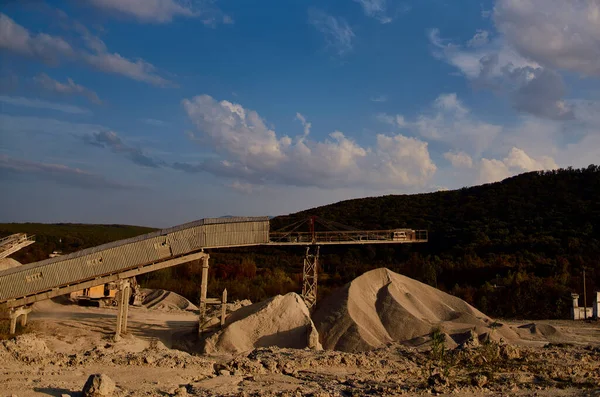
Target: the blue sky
pixel 158 112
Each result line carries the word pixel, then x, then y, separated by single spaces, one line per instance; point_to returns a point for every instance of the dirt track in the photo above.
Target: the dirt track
pixel 70 343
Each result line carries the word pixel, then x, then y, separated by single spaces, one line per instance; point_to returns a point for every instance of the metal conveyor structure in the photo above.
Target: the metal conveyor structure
pixel 119 261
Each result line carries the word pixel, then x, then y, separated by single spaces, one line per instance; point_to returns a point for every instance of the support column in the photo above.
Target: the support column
pixel 126 296
pixel 14 315
pixel 123 300
pixel 223 307
pixel 13 325
pixel 310 276
pixel 203 292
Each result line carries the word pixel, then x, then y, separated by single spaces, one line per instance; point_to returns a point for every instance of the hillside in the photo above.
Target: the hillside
pixel 515 248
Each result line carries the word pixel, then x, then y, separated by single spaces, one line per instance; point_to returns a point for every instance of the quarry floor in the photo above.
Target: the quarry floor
pixel 67 343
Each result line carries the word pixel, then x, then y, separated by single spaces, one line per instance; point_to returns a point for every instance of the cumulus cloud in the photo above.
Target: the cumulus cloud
pixel 481 38
pixel 459 159
pixel 449 121
pixel 336 31
pixel 532 88
pixel 41 104
pixel 10 168
pixel 539 92
pixel 17 39
pixel 68 88
pixel 493 170
pixel 247 149
pixel 564 38
pixel 112 141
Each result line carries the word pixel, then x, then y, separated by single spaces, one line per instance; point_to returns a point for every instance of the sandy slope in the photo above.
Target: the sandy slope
pixel 69 343
pixel 381 306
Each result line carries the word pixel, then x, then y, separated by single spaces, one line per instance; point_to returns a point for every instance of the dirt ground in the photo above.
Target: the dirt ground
pixel 68 343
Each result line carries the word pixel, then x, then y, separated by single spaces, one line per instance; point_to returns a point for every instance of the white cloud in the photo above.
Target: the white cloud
pixel 70 87
pixel 17 39
pixel 139 70
pixel 336 31
pixel 532 88
pixel 459 159
pixel 375 9
pixel 396 121
pixel 250 151
pixel 164 11
pixel 560 34
pixel 470 61
pixel 517 161
pixel 40 104
pixel 156 11
pixel 517 158
pixel 307 126
pixel 450 122
pixel 481 38
pixel 492 171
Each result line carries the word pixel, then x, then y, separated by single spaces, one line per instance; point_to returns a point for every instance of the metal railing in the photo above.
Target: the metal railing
pixel 347 237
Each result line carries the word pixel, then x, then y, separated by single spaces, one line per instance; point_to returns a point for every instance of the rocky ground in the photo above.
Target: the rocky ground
pixel 68 344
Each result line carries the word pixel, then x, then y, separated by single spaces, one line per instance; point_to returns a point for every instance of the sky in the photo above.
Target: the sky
pixel 160 112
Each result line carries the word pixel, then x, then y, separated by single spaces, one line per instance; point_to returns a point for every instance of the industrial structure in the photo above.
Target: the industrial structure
pixel 11 244
pixel 119 261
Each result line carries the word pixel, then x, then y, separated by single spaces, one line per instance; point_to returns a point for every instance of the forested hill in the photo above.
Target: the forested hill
pixel 515 248
pixel 529 235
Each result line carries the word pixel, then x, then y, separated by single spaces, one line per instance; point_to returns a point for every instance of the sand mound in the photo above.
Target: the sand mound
pixel 544 330
pixel 8 263
pixel 160 299
pixel 381 306
pixel 282 321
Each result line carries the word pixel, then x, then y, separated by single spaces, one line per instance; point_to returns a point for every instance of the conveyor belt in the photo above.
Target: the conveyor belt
pixel 95 266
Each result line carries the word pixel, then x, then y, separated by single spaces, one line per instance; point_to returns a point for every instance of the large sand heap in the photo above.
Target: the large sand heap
pixel 8 263
pixel 160 299
pixel 282 321
pixel 382 306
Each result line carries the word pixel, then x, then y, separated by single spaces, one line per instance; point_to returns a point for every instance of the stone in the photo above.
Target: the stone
pixel 479 380
pixel 437 378
pixel 98 385
pixel 181 392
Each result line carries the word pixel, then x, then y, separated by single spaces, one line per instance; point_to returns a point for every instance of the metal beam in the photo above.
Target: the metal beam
pixel 357 242
pixel 310 276
pixel 101 280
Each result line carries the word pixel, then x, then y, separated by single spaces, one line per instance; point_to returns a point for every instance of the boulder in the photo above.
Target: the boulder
pixel 98 385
